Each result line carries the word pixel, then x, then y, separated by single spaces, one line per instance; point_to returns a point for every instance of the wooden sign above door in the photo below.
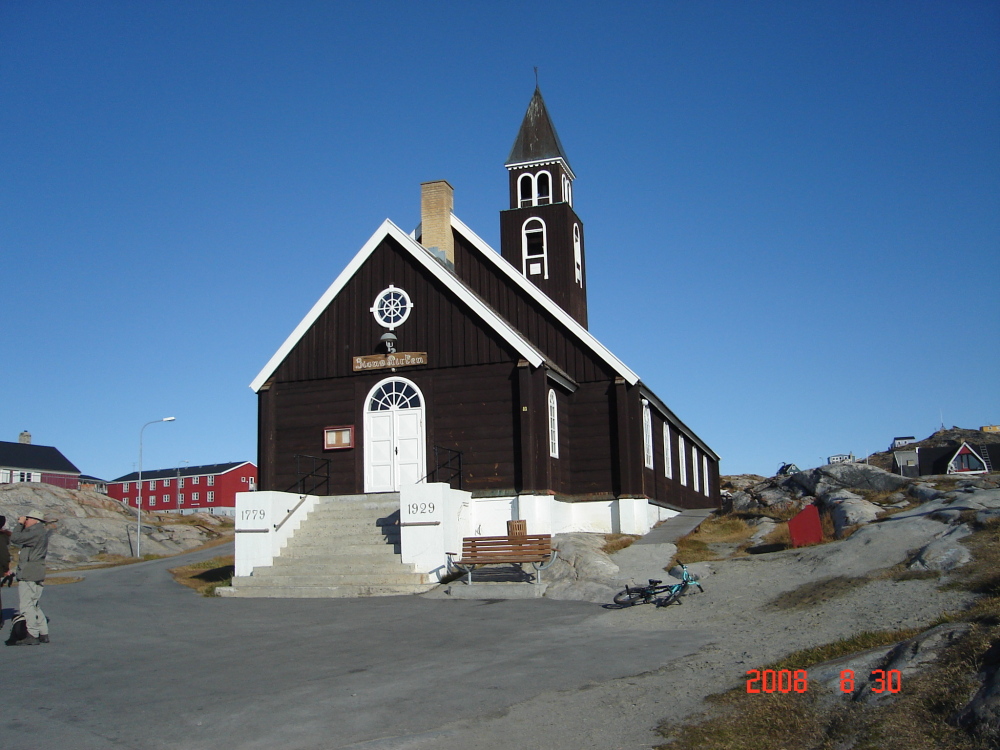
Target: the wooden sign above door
pixel 385 361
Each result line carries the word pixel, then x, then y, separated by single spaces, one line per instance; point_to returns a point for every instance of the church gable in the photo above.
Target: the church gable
pixel 445 320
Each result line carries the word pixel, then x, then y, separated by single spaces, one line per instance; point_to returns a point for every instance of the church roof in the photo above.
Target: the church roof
pixel 537 139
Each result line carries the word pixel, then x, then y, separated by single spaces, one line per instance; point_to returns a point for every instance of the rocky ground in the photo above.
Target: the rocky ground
pixel 914 527
pixel 88 526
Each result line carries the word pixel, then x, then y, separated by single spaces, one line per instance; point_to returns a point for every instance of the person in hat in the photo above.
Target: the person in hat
pixel 33 539
pixel 4 557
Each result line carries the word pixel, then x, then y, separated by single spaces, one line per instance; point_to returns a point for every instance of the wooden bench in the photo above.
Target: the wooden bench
pixel 513 549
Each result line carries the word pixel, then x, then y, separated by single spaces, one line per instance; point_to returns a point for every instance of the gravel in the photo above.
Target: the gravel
pixel 623 714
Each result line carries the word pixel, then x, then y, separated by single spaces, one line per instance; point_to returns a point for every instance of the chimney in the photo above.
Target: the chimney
pixel 24 437
pixel 437 199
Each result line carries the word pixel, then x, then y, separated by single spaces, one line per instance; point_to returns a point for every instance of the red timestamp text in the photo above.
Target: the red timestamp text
pixel 797 681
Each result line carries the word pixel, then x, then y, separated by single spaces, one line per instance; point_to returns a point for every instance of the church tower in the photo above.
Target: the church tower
pixel 540 234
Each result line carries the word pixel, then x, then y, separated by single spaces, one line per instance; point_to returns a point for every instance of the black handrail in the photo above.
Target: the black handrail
pixel 451 463
pixel 319 471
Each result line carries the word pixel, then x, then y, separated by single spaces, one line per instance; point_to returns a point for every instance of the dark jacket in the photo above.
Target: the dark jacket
pixel 34 544
pixel 4 552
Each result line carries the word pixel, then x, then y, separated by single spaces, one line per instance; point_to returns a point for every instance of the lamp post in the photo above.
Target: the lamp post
pixel 138 502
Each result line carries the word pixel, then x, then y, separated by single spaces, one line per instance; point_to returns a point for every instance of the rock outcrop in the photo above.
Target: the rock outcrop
pixel 86 525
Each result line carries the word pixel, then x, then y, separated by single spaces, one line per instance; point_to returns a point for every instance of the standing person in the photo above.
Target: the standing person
pixel 4 556
pixel 33 539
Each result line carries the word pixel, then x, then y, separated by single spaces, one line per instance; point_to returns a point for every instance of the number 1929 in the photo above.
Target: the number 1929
pixel 420 508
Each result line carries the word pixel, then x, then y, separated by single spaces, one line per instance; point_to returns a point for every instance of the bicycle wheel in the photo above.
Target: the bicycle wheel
pixel 674 595
pixel 628 597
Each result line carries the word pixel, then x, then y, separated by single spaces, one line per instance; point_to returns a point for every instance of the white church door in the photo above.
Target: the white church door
pixel 394 436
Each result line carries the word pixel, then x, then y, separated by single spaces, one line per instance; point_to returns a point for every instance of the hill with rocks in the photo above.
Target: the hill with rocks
pixel 940 439
pixel 88 526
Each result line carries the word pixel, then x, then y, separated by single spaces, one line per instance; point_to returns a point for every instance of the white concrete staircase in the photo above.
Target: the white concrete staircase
pixel 348 546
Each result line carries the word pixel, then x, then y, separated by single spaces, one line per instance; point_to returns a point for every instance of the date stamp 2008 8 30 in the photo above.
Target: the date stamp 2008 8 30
pixel 788 681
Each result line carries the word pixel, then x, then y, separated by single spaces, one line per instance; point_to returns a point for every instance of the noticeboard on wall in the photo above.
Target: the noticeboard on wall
pixel 338 438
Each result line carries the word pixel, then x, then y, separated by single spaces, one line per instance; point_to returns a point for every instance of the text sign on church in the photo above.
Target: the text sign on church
pixel 383 361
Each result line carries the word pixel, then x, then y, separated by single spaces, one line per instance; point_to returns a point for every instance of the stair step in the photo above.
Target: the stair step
pixel 294 578
pixel 321 592
pixel 341 562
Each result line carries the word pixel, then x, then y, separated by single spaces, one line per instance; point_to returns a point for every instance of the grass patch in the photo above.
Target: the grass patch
pixel 816 592
pixel 206 576
pixel 616 542
pixel 881 497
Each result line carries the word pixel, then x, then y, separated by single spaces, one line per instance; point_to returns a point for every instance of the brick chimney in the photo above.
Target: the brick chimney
pixel 437 199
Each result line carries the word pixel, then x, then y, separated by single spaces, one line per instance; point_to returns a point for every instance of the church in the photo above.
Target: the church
pixel 433 358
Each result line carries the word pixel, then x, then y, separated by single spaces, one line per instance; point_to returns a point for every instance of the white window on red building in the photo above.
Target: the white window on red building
pixel 152 500
pixel 211 481
pixel 195 480
pixel 194 497
pixel 211 497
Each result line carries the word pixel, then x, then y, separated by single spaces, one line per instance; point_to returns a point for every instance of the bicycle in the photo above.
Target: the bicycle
pixel 655 592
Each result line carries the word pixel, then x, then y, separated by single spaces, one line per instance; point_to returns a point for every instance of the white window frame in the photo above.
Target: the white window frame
pixel 567 190
pixel 553 424
pixel 707 488
pixel 538 195
pixel 195 480
pixel 528 202
pixel 668 453
pixel 195 496
pixel 528 260
pixel 647 435
pixel 682 457
pixel 152 499
pixel 376 313
pixel 211 496
pixel 695 470
pixel 578 255
pixel 165 498
pixel 211 480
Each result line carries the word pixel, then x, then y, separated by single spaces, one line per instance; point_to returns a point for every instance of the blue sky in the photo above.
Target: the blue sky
pixel 792 210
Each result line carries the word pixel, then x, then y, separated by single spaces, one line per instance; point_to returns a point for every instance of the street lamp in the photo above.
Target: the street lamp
pixel 138 502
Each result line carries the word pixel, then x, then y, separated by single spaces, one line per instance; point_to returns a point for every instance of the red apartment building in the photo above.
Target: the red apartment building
pixel 188 489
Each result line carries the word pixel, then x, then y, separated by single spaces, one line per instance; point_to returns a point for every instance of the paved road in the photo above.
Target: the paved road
pixel 137 661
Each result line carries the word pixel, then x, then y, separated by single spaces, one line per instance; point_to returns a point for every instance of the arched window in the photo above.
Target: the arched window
pixel 534 249
pixel 543 188
pixel 567 190
pixel 553 425
pixel 525 190
pixel 647 435
pixel 577 254
pixel 668 453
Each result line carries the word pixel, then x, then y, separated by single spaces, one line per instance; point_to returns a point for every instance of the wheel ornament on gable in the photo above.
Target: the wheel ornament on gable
pixel 392 307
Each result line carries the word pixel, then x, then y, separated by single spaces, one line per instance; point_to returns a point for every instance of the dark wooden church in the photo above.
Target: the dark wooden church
pixel 434 358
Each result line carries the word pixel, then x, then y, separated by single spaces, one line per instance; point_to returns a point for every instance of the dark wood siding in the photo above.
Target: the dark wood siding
pixel 561 285
pixel 439 324
pixel 589 439
pixel 473 413
pixel 527 316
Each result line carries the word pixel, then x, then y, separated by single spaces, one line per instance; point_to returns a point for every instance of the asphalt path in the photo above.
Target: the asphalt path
pixel 138 661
